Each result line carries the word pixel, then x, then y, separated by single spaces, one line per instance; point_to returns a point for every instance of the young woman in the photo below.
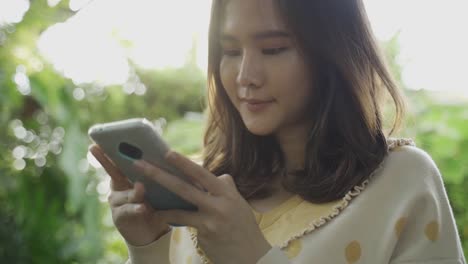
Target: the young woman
pixel 297 167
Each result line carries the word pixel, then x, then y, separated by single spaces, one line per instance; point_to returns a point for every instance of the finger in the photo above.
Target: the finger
pixel 174 184
pixel 130 196
pixel 138 193
pixel 180 217
pixel 119 181
pixel 228 180
pixel 195 172
pixel 126 211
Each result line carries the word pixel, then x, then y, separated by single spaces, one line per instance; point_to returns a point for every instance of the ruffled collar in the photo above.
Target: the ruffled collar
pixel 296 217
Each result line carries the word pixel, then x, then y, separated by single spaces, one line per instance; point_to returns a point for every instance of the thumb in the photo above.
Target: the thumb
pixel 227 180
pixel 119 181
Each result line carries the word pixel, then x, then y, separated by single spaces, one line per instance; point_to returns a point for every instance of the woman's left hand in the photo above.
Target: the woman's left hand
pixel 226 227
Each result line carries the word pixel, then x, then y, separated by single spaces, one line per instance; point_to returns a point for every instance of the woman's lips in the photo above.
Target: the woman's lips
pixel 257 105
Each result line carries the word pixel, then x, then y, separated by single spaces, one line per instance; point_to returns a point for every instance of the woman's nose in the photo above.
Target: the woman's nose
pixel 250 72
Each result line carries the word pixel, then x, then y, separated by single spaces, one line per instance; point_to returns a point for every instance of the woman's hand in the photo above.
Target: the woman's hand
pixel 136 221
pixel 227 230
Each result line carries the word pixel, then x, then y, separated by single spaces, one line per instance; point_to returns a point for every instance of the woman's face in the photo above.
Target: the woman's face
pixel 262 70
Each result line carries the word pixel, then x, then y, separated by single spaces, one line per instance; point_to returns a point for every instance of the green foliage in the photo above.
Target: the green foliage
pixel 50 208
pixel 441 129
pixel 185 135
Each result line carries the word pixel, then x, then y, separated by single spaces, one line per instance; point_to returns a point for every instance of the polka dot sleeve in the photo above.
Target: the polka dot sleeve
pixel 427 231
pixel 275 255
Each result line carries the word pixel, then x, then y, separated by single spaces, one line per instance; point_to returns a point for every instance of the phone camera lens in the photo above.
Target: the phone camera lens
pixel 130 151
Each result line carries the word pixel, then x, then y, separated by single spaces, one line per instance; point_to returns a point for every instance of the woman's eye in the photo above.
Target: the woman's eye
pixel 231 52
pixel 274 51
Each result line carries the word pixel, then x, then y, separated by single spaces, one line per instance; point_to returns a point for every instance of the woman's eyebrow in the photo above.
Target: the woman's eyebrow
pixel 224 37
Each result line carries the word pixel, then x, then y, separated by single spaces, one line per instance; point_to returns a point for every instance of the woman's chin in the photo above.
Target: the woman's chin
pixel 259 131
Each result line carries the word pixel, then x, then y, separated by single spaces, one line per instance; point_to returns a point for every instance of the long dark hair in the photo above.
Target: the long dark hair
pixel 347 141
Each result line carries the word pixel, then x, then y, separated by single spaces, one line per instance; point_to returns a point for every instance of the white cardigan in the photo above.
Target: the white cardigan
pixel 400 215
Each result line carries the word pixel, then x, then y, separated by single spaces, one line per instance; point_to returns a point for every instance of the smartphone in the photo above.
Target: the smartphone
pixel 137 139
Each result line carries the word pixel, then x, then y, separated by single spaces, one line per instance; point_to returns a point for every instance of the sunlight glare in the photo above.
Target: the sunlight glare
pixel 94 45
pixel 82 55
pixel 12 11
pixel 162 32
pixel 433 40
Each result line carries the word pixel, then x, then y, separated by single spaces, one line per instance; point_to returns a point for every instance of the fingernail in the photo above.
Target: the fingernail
pixel 139 164
pixel 140 208
pixel 90 148
pixel 171 155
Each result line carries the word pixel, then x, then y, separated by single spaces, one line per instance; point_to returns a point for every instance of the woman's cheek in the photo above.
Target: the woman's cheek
pixel 227 74
pixel 228 79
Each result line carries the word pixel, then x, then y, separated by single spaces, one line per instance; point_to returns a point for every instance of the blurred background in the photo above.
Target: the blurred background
pixel 65 65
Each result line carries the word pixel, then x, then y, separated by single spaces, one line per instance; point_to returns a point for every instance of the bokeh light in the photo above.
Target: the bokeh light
pixel 19 164
pixel 79 94
pixel 20 132
pixel 22 80
pixel 19 152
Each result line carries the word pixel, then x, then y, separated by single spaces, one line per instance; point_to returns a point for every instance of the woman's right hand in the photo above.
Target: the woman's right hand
pixel 135 219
